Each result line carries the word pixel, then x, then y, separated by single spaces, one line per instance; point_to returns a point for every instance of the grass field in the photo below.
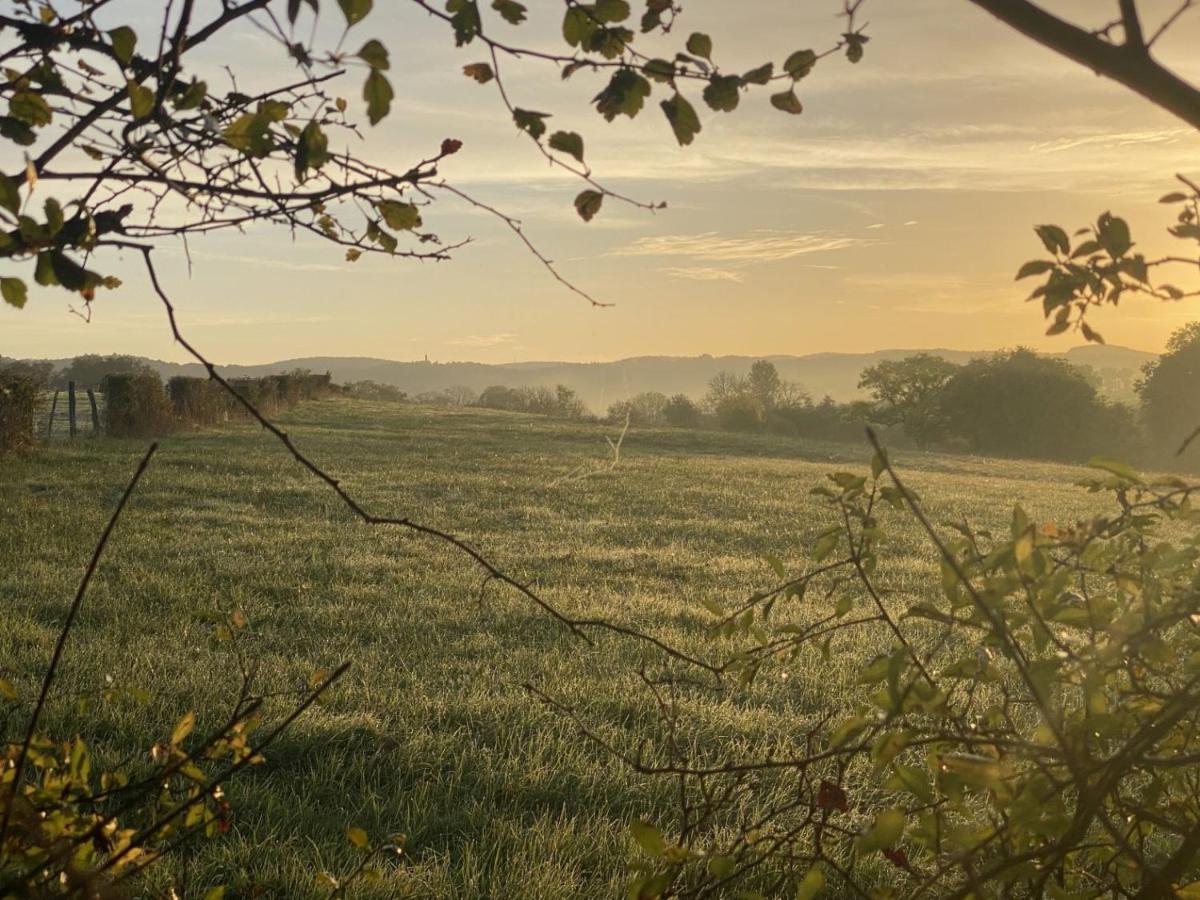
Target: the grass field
pixel 432 732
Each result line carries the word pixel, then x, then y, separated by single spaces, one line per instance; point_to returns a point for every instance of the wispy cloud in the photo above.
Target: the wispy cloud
pixel 1111 139
pixel 482 341
pixel 764 246
pixel 267 262
pixel 702 273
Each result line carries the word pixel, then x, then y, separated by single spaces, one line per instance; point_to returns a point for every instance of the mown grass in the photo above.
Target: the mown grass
pixel 433 733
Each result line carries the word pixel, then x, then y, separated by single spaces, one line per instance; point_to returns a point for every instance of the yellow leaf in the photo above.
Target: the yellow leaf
pixel 183 728
pixel 357 837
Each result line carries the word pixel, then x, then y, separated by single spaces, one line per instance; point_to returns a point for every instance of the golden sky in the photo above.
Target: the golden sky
pixel 892 213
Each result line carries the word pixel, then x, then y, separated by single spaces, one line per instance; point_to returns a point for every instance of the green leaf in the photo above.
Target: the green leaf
pixel 399 216
pixel 800 63
pixel 533 123
pixel 141 99
pixel 7 691
pixel 721 866
pixel 884 832
pixel 375 55
pixel 481 72
pixel 215 893
pixel 648 838
pixel 682 116
pixel 464 19
pixel 31 108
pixel 511 11
pixel 624 94
pixel 661 70
pixel 609 11
pixel 811 884
pixel 1116 467
pixel 700 45
pixel 788 102
pixel 69 273
pixel 577 26
pixel 854 46
pixel 761 75
pixel 10 196
pixel 1054 238
pixel 723 92
pixel 124 41
pixel 183 728
pixel 355 10
pixel 567 142
pixel 312 149
pixel 588 203
pixel 17 131
pixel 14 292
pixel 1034 267
pixel 377 91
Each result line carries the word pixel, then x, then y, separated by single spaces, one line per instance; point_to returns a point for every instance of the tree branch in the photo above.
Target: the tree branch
pixel 1129 64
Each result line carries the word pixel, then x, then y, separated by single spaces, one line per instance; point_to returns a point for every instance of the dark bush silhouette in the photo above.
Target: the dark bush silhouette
pixel 19 393
pixel 1170 391
pixel 135 405
pixel 1018 403
pixel 681 412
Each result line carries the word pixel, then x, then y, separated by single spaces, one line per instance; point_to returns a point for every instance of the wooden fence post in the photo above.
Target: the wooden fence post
pixel 71 407
pixel 53 407
pixel 95 413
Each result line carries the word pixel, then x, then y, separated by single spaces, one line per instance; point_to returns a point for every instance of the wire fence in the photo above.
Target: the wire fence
pixel 68 413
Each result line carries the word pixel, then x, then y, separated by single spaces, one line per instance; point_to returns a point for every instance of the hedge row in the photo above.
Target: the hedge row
pixel 19 396
pixel 137 405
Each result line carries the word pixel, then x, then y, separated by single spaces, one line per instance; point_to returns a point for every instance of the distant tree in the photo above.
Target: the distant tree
pixel 499 396
pixel 792 395
pixel 1170 389
pixel 567 404
pixel 764 383
pixel 1019 403
pixel 89 370
pixel 373 390
pixel 681 412
pixel 461 395
pixel 455 395
pixel 647 410
pixel 37 372
pixel 723 386
pixel 740 412
pixel 908 393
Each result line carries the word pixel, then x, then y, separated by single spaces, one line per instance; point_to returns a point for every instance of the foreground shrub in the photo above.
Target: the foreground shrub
pixel 19 395
pixel 1033 731
pixel 135 405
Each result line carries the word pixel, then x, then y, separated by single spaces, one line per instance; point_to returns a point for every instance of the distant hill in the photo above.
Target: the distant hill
pixel 602 383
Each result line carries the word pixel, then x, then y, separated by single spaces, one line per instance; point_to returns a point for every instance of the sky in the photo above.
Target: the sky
pixel 892 214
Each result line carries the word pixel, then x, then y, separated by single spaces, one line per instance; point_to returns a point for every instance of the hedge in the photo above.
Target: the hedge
pixel 18 404
pixel 135 405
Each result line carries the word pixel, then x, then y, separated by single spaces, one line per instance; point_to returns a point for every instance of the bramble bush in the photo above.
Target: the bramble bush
pixel 1034 731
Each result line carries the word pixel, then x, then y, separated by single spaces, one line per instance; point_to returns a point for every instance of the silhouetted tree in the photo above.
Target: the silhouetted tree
pixel 908 393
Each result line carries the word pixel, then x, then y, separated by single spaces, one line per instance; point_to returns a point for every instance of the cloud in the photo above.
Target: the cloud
pixel 265 262
pixel 702 273
pixel 764 246
pixel 1110 139
pixel 482 341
